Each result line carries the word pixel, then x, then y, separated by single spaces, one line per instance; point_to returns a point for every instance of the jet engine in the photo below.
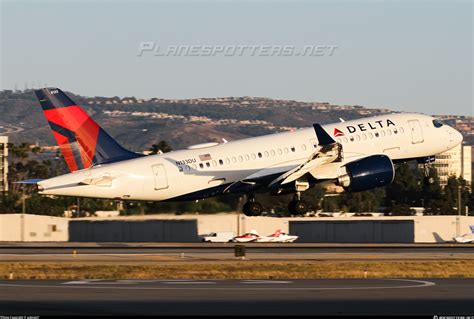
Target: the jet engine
pixel 367 173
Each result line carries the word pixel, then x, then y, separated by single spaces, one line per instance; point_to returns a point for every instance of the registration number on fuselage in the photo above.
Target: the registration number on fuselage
pixel 186 161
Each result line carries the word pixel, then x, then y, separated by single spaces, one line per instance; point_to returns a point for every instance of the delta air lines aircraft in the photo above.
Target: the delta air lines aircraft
pixel 357 155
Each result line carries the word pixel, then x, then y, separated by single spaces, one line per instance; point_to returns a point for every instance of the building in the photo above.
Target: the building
pixel 3 163
pixel 456 161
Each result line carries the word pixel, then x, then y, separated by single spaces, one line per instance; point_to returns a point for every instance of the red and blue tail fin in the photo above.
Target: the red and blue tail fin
pixel 81 140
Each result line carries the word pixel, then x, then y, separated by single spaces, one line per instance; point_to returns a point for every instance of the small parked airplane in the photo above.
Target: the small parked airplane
pixel 277 237
pixel 466 238
pixel 357 155
pixel 250 237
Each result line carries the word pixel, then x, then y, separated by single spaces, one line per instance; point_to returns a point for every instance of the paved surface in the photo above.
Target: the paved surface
pixel 212 253
pixel 238 297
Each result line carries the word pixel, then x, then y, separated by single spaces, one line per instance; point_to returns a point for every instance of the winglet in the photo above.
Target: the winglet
pixel 323 137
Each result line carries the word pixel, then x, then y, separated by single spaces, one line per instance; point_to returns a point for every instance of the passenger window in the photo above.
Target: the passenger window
pixel 389 132
pixel 208 164
pixel 272 152
pixel 371 135
pixel 234 159
pixel 214 163
pixel 253 156
pixel 221 162
pixel 383 133
pixel 285 150
pixel 201 165
pixel 279 151
pixel 346 140
pixel 364 136
pixel 227 160
pixel 247 157
pixel 303 147
pixel 266 154
pixel 401 130
pixel 241 158
pixel 352 138
pixel 358 137
pixel 259 155
pixel 376 134
pixel 293 149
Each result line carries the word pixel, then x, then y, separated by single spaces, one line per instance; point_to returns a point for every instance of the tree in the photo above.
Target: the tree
pixel 162 146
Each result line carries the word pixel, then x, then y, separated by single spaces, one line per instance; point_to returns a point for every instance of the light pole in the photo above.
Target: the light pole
pixel 23 210
pixel 458 218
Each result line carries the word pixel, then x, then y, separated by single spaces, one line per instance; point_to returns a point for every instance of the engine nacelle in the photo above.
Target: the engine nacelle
pixel 367 173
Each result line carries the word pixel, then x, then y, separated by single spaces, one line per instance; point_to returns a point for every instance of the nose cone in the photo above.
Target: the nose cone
pixel 455 138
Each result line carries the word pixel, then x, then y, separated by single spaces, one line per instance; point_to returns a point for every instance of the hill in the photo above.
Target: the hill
pixel 138 123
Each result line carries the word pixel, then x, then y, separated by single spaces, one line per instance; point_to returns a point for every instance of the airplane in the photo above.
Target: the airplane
pixel 466 238
pixel 277 237
pixel 250 237
pixel 357 155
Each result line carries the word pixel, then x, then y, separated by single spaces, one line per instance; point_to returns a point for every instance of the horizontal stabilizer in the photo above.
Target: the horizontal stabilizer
pixel 29 181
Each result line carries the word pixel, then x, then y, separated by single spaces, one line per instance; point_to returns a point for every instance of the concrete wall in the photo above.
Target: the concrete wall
pixel 354 231
pixel 18 227
pixel 427 229
pixel 133 231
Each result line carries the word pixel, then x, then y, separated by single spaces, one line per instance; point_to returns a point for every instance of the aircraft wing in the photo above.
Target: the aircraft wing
pixel 323 163
pixel 318 165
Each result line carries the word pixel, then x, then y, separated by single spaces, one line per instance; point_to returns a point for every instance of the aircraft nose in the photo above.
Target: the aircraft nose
pixel 455 137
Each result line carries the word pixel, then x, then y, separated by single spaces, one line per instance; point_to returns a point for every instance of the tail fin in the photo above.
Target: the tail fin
pixel 277 233
pixel 82 141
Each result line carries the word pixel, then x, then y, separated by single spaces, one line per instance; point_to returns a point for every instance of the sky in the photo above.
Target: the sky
pixel 402 55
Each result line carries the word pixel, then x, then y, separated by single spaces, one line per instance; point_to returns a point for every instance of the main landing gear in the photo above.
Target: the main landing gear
pixel 252 208
pixel 297 206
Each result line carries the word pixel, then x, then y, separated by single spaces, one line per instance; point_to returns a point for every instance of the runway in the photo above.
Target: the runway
pixel 238 297
pixel 199 252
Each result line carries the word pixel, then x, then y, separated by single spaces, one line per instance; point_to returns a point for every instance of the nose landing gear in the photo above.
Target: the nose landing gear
pixel 428 178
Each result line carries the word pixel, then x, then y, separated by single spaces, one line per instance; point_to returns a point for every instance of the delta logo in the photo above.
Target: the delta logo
pixel 338 133
pixel 362 127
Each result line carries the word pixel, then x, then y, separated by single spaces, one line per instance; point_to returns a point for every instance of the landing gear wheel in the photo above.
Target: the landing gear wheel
pixel 297 207
pixel 252 209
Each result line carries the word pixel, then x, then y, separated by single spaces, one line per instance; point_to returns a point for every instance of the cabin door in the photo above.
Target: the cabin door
pixel 159 174
pixel 416 132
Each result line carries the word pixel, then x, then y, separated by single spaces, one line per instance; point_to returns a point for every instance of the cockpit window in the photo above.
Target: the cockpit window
pixel 437 123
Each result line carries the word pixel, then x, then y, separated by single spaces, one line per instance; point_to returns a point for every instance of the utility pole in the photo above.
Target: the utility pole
pixel 23 210
pixel 458 218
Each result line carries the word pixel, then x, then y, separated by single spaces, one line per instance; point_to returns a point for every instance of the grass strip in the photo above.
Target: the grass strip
pixel 242 270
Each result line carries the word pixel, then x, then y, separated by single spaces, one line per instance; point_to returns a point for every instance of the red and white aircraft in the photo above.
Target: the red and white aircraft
pixel 250 237
pixel 277 237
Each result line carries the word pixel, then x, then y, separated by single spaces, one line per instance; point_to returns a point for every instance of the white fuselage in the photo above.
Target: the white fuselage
pixel 202 172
